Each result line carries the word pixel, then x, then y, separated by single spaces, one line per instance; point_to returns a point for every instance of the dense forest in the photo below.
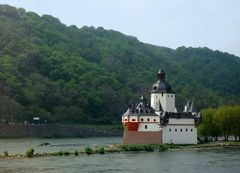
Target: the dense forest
pixel 89 75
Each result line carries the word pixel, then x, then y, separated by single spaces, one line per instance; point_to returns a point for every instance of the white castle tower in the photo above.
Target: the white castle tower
pixel 162 93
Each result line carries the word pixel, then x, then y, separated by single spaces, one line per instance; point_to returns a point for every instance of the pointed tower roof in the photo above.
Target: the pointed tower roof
pixel 186 107
pixel 192 108
pixel 143 99
pixel 161 86
pixel 161 74
pixel 161 71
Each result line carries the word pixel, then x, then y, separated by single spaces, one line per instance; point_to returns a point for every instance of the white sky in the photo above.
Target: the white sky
pixel 170 23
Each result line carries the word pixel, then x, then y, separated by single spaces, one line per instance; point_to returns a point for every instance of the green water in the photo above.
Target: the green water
pixel 211 161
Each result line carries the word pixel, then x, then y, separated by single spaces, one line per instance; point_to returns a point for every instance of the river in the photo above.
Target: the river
pixel 184 161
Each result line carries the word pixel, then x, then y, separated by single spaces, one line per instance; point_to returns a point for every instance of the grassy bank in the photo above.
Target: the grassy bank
pixel 124 148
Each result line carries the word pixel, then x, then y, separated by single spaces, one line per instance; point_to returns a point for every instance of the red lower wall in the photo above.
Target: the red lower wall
pixel 138 137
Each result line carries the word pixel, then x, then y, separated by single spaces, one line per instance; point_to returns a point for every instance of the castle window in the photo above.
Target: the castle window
pixel 133 119
pixel 162 94
pixel 154 120
pixel 145 126
pixel 191 130
pixel 186 130
pixel 180 130
pixel 175 130
pixel 171 95
pixel 141 119
pixel 148 119
pixel 170 130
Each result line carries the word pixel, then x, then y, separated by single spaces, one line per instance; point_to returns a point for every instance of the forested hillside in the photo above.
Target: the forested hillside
pixel 89 75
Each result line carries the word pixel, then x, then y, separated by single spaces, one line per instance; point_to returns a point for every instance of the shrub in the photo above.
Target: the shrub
pixel 60 153
pixel 29 152
pixel 148 148
pixel 5 154
pixel 66 153
pixel 76 153
pixel 88 150
pixel 101 150
pixel 162 147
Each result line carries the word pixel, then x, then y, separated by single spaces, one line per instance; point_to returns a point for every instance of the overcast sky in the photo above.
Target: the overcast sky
pixel 170 23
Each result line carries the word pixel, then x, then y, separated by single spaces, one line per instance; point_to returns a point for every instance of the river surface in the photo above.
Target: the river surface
pixel 184 161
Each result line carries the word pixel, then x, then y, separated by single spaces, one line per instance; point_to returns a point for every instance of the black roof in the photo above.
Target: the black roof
pixel 142 108
pixel 182 115
pixel 161 86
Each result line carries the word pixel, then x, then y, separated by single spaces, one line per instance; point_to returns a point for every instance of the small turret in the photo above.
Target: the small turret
pixel 186 107
pixel 161 75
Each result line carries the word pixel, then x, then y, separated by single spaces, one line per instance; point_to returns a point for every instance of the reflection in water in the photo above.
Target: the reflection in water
pixel 219 161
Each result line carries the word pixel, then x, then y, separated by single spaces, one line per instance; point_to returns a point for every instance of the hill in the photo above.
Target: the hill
pixel 89 75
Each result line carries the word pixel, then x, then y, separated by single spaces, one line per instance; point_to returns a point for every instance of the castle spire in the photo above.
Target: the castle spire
pixel 161 74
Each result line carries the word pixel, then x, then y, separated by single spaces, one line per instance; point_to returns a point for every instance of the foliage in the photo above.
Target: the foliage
pixel 5 154
pixel 88 75
pixel 100 150
pixel 89 150
pixel 29 152
pixel 66 153
pixel 162 147
pixel 76 153
pixel 224 120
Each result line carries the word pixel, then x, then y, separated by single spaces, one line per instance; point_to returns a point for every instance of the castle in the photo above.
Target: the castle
pixel 160 122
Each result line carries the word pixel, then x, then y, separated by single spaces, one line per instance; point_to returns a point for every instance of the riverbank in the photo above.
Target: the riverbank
pixel 123 148
pixel 57 131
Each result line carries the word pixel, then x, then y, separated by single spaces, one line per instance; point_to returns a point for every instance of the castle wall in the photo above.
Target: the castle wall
pixel 139 137
pixel 148 127
pixel 167 101
pixel 180 134
pixel 181 121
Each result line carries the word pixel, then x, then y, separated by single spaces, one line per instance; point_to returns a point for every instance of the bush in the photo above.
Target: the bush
pixel 88 150
pixel 60 153
pixel 29 152
pixel 101 150
pixel 162 147
pixel 66 153
pixel 76 153
pixel 5 154
pixel 148 148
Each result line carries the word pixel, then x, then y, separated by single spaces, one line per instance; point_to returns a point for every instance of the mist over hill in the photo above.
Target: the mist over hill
pixel 84 75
